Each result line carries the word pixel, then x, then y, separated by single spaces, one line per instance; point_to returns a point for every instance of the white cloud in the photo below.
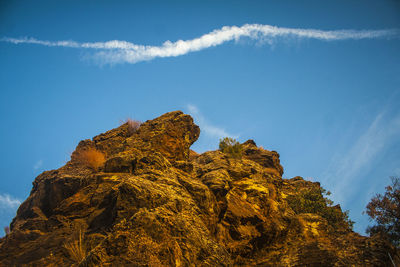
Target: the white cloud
pixel 8 202
pixel 207 128
pixel 116 51
pixel 345 174
pixel 38 164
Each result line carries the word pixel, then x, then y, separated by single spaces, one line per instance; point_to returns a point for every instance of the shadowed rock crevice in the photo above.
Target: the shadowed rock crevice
pixel 155 202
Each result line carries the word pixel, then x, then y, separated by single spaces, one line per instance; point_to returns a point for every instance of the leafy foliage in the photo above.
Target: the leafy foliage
pixel 315 200
pixel 230 146
pixel 385 211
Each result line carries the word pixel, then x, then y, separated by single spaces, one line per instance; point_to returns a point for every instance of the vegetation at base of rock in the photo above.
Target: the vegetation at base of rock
pixel 385 211
pixel 76 248
pixel 133 126
pixel 231 147
pixel 91 158
pixel 315 200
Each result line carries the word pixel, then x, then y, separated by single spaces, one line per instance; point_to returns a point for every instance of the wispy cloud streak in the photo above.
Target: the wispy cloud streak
pixel 347 172
pixel 207 128
pixel 38 165
pixel 115 51
pixel 8 202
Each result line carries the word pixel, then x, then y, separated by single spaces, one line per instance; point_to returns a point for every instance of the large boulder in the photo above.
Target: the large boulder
pixel 154 202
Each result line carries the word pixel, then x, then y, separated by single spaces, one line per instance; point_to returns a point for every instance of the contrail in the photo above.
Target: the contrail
pixel 116 51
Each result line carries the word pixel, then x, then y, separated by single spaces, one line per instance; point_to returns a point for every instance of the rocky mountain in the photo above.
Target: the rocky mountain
pixel 140 197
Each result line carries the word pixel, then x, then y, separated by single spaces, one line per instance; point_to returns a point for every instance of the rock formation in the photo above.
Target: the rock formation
pixel 155 202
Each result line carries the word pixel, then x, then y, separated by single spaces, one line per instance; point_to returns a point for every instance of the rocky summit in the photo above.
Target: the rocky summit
pixel 143 198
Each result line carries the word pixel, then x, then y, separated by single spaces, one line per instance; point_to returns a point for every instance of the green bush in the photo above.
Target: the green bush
pixel 315 201
pixel 231 147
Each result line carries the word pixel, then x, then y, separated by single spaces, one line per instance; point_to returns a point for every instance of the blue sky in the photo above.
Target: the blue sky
pixel 324 98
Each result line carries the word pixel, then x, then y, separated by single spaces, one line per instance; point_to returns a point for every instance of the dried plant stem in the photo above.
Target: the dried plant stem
pixel 76 248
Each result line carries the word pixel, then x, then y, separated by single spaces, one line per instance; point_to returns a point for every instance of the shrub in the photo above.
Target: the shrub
pixel 133 126
pixel 91 158
pixel 315 200
pixel 230 146
pixel 385 211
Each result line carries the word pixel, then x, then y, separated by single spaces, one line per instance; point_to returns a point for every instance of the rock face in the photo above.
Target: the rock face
pixel 155 202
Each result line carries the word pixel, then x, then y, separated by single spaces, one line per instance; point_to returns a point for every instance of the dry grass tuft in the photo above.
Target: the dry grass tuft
pixel 91 158
pixel 133 125
pixel 76 248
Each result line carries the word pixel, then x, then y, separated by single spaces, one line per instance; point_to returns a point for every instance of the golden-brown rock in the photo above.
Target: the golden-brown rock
pixel 157 203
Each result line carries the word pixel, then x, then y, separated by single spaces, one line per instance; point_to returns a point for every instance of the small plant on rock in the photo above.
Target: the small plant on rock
pixel 133 126
pixel 76 248
pixel 230 146
pixel 91 158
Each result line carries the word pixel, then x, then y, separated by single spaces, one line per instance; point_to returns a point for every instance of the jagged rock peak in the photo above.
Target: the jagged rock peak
pixel 170 134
